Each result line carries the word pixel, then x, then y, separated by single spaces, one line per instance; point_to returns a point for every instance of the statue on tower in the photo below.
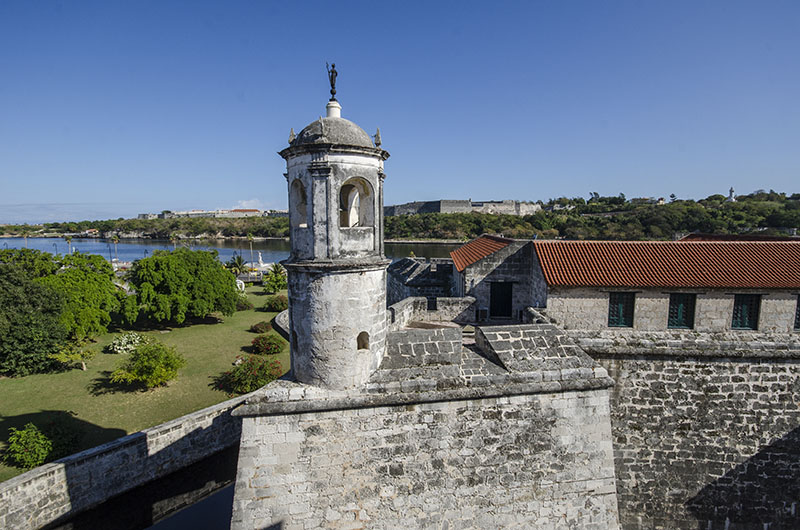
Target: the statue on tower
pixel 332 73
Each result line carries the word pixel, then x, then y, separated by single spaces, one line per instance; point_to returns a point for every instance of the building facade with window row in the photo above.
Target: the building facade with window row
pixel 708 286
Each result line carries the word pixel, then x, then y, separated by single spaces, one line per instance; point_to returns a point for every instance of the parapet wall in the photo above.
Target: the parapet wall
pixel 448 309
pixel 706 427
pixel 527 461
pixel 78 482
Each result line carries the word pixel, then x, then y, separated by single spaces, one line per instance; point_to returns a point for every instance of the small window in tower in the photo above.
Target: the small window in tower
pixel 356 204
pixel 298 205
pixel 349 202
pixel 362 340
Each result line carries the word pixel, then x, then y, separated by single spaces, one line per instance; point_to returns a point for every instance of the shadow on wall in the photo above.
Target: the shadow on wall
pixel 146 505
pixel 762 492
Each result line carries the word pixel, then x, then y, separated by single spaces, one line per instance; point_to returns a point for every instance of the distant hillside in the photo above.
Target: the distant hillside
pixel 761 212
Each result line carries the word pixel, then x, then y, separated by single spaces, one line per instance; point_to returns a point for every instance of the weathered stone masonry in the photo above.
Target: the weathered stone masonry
pixel 706 428
pixel 436 439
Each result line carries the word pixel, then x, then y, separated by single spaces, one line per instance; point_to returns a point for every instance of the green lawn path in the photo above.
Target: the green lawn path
pixel 104 415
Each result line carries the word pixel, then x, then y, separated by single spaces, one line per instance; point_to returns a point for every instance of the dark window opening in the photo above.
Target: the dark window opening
pixel 681 310
pixel 432 303
pixel 362 341
pixel 620 309
pixel 745 311
pixel 797 314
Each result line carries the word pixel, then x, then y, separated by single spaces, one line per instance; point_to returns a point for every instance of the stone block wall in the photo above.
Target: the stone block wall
pixel 706 428
pixel 416 309
pixel 586 308
pixel 528 461
pixel 78 482
pixel 438 342
pixel 511 264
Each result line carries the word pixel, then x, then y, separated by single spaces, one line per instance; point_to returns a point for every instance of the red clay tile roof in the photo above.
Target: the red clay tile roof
pixel 697 264
pixel 477 249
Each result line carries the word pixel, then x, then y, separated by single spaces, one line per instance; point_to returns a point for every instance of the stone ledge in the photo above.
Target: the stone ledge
pixel 290 397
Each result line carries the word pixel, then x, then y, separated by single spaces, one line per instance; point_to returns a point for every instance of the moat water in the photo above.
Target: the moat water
pixel 272 250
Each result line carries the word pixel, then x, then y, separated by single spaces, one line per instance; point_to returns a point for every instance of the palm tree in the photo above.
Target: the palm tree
pixel 173 238
pixel 68 239
pixel 236 265
pixel 26 234
pixel 250 240
pixel 115 240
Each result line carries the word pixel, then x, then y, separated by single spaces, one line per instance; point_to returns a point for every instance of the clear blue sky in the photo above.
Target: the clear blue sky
pixel 109 109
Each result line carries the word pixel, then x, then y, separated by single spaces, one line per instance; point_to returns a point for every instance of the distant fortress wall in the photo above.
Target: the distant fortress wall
pixel 507 207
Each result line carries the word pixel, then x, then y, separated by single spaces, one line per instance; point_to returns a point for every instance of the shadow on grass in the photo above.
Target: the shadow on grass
pixel 104 385
pixel 68 433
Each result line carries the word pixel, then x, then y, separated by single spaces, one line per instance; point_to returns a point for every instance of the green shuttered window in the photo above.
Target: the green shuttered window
pixel 620 309
pixel 681 310
pixel 797 314
pixel 745 311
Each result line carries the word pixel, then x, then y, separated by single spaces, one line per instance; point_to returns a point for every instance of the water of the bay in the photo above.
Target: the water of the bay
pixel 272 250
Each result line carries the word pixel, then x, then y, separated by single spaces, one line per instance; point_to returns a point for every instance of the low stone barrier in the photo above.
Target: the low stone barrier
pixel 61 489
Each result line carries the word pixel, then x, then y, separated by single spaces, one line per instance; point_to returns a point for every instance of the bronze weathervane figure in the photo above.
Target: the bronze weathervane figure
pixel 332 73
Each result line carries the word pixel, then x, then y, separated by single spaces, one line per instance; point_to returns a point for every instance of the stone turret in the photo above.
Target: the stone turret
pixel 337 269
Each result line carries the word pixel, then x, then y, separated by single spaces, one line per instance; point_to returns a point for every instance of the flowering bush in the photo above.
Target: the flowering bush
pixel 276 303
pixel 248 374
pixel 261 327
pixel 267 344
pixel 27 447
pixel 126 343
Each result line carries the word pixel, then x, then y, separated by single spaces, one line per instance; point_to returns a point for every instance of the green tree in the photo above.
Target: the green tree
pixel 275 279
pixel 30 323
pixel 87 283
pixel 68 239
pixel 236 264
pixel 171 286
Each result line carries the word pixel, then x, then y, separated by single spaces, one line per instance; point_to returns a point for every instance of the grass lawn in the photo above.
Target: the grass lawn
pixel 87 402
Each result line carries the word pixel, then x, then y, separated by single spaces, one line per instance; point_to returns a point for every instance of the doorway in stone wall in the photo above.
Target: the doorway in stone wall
pixel 500 299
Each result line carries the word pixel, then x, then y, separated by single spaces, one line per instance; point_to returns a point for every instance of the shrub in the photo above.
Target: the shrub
pixel 71 355
pixel 267 344
pixel 261 327
pixel 276 303
pixel 275 280
pixel 27 447
pixel 248 374
pixel 151 364
pixel 126 343
pixel 243 304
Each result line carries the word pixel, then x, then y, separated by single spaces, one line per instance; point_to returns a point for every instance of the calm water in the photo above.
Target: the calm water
pixel 271 250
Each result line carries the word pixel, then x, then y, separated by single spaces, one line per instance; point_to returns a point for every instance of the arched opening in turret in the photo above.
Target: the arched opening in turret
pixel 356 204
pixel 362 341
pixel 298 205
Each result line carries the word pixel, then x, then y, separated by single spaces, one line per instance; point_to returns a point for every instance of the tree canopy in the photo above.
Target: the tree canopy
pixel 30 323
pixel 174 286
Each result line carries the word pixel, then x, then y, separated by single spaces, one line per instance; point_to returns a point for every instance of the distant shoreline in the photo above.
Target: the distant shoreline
pixel 228 238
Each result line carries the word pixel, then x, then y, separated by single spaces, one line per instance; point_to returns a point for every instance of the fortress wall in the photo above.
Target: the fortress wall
pixel 706 430
pixel 78 482
pixel 533 461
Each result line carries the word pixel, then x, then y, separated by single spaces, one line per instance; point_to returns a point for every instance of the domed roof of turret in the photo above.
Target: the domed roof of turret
pixel 333 130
